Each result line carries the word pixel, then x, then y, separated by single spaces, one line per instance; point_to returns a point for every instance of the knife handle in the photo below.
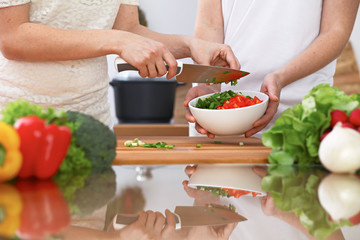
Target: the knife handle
pixel 121 65
pixel 122 220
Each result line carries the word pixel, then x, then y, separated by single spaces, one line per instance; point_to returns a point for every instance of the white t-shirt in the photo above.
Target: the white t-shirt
pixel 265 35
pixel 79 85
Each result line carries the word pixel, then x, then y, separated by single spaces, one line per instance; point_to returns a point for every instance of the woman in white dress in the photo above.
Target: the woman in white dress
pixel 287 46
pixel 53 52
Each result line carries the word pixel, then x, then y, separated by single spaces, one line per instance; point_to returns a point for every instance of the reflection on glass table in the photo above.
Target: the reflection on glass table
pixel 84 207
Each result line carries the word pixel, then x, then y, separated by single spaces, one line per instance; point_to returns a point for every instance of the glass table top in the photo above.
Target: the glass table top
pixel 139 202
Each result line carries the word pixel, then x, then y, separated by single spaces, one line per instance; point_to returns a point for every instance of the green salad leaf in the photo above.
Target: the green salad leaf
pixel 295 136
pixel 294 189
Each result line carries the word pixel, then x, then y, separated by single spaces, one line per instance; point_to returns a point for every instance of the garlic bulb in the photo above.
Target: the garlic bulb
pixel 339 195
pixel 339 151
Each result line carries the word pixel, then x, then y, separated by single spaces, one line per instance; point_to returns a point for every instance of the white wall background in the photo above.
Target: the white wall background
pixel 178 17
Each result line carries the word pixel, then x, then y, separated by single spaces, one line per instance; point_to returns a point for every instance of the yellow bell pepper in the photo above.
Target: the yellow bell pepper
pixel 10 210
pixel 10 155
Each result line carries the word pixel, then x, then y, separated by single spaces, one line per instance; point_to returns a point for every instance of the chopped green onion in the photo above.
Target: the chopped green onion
pixel 217 142
pixel 198 145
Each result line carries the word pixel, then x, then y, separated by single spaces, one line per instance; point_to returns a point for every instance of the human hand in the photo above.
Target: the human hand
pixel 267 202
pixel 148 56
pixel 211 53
pixel 272 88
pixel 149 225
pixel 201 198
pixel 201 89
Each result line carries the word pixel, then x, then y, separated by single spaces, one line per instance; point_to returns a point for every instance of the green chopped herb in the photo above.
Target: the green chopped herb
pixel 211 102
pixel 138 143
pixel 214 79
pixel 226 72
pixel 217 142
pixel 198 145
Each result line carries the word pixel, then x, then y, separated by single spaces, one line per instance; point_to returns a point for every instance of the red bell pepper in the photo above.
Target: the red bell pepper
pixel 239 101
pixel 45 210
pixel 42 146
pixel 238 193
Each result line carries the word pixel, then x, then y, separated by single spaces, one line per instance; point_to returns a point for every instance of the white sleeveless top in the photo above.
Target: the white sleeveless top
pixel 79 85
pixel 265 35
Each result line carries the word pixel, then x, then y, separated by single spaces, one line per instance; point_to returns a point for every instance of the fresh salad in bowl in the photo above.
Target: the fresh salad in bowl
pixel 227 100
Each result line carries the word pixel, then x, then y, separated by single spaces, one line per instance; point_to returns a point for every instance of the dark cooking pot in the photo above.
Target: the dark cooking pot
pixel 144 100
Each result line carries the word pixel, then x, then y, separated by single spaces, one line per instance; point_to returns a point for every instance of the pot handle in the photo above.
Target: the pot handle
pixel 181 84
pixel 122 65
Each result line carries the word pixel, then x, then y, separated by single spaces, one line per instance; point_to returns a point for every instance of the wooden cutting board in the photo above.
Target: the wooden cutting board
pixel 185 151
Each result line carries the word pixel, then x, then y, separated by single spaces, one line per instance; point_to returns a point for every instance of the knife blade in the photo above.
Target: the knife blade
pixel 194 73
pixel 190 216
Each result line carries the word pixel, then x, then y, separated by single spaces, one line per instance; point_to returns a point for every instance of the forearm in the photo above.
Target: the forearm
pixel 209 23
pixel 76 232
pixel 179 45
pixel 321 52
pixel 337 22
pixel 36 42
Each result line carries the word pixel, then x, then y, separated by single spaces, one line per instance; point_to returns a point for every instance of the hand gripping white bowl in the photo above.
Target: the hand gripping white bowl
pixel 230 121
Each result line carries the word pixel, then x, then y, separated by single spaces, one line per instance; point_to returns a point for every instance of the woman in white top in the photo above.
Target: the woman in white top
pixel 287 46
pixel 53 52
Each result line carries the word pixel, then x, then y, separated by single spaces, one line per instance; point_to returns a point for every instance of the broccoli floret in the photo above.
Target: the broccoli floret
pixel 95 138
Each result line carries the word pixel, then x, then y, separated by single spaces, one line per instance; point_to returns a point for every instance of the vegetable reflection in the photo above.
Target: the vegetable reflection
pixel 45 209
pixel 295 189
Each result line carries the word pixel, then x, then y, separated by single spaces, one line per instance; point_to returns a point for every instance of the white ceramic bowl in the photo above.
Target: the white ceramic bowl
pixel 238 176
pixel 229 121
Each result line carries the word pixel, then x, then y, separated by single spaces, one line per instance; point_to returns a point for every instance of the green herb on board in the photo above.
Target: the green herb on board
pixel 217 142
pixel 198 145
pixel 226 72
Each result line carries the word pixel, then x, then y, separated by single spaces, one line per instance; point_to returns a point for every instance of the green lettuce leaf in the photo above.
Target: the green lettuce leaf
pixel 296 133
pixel 294 189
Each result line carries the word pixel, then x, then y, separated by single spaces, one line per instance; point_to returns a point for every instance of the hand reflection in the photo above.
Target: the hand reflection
pixel 149 225
pixel 267 202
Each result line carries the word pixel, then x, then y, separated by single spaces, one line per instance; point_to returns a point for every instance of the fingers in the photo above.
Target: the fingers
pixel 189 170
pixel 170 223
pixel 189 117
pixel 142 218
pixel 150 220
pixel 264 120
pixel 202 130
pixel 172 65
pixel 191 192
pixel 261 172
pixel 231 59
pixel 159 222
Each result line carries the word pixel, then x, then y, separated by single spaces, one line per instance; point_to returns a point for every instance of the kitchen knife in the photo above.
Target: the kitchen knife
pixel 193 73
pixel 191 216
